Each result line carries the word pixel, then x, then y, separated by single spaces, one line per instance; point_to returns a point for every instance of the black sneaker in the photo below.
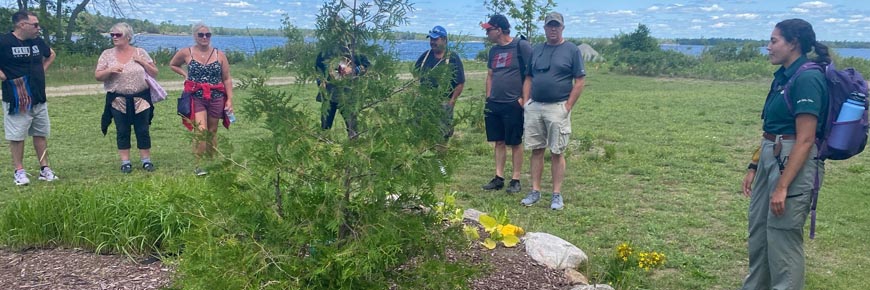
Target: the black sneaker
pixel 126 168
pixel 495 184
pixel 513 186
pixel 148 166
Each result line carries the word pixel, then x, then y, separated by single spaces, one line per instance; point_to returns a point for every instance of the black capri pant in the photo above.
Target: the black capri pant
pixel 141 123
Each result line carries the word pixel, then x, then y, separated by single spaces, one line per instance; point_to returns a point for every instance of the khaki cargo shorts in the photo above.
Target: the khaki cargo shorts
pixel 547 125
pixel 33 122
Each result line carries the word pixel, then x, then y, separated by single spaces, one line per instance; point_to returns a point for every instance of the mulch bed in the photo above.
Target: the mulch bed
pixel 68 269
pixel 61 269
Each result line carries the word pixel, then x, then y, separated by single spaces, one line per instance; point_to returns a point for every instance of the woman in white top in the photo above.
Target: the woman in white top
pixel 122 70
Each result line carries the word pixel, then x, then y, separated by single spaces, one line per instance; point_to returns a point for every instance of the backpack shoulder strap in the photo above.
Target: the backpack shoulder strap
pixel 805 67
pixel 520 59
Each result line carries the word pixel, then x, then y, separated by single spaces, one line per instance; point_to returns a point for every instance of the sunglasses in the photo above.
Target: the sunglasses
pixel 35 25
pixel 204 35
pixel 116 35
pixel 491 29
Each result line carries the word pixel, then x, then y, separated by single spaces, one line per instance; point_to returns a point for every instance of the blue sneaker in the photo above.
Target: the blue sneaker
pixel 556 203
pixel 531 198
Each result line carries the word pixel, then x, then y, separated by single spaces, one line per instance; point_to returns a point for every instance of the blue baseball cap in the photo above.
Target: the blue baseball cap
pixel 437 32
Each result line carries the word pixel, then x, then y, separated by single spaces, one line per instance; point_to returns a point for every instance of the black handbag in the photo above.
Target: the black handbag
pixel 184 104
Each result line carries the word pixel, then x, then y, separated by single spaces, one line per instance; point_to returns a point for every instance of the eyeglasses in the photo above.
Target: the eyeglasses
pixel 116 35
pixel 204 35
pixel 35 24
pixel 491 29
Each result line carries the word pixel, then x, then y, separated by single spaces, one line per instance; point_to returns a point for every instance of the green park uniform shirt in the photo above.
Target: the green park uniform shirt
pixel 808 95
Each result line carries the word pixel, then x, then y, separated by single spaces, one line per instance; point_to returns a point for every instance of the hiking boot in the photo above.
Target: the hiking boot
pixel 495 184
pixel 148 166
pixel 47 175
pixel 556 203
pixel 199 172
pixel 531 198
pixel 513 186
pixel 126 168
pixel 21 177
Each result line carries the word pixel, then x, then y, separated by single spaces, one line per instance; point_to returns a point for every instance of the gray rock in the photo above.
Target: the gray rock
pixel 592 287
pixel 472 214
pixel 575 278
pixel 552 251
pixel 589 54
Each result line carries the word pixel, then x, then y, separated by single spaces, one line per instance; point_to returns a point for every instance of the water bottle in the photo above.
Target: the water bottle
pixel 853 108
pixel 230 115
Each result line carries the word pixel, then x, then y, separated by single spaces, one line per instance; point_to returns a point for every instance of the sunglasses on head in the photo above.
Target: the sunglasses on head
pixel 116 35
pixel 204 35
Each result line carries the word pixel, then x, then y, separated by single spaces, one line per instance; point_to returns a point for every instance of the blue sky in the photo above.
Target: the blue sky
pixel 752 19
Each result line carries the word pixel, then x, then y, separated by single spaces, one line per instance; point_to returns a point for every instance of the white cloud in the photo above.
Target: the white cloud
pixel 696 27
pixel 747 16
pixel 800 10
pixel 621 12
pixel 815 5
pixel 697 20
pixel 719 25
pixel 238 4
pixel 833 20
pixel 715 7
pixel 652 8
pixel 170 9
pixel 221 13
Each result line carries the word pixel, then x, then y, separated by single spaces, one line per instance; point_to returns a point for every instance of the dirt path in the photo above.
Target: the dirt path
pixel 97 89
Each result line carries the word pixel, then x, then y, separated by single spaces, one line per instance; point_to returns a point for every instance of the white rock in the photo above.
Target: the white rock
pixel 472 214
pixel 552 251
pixel 592 287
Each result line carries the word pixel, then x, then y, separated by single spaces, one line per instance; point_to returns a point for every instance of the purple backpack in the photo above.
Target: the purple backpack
pixel 841 85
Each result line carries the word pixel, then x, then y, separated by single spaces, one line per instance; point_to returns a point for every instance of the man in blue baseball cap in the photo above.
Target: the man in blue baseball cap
pixel 431 64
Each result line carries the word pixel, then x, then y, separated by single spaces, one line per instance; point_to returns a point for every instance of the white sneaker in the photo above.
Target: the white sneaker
pixel 21 177
pixel 47 175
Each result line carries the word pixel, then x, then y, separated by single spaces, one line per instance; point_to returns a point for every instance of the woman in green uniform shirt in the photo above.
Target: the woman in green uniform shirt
pixel 780 182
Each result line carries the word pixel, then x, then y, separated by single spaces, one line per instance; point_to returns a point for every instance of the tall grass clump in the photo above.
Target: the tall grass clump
pixel 139 218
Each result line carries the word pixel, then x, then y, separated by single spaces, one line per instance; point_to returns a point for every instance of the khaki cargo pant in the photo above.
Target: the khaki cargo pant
pixel 776 250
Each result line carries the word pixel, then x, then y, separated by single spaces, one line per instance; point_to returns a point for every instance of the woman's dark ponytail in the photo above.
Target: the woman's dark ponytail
pixel 824 57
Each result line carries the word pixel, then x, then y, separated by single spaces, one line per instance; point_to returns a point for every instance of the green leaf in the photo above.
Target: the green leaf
pixel 471 232
pixel 489 223
pixel 510 241
pixel 489 243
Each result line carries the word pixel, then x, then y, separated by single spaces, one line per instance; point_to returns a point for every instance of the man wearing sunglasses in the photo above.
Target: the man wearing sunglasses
pixel 553 84
pixel 24 57
pixel 503 112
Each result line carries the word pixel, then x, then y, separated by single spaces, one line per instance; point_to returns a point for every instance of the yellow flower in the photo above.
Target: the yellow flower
pixel 511 230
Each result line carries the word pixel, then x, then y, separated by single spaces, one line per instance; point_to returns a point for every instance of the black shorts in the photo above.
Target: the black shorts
pixel 504 122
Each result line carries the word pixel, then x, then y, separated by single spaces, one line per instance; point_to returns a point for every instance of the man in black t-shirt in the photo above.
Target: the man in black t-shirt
pixel 24 57
pixel 437 57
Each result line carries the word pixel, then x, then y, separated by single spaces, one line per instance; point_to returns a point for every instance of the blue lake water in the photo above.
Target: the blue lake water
pixel 407 50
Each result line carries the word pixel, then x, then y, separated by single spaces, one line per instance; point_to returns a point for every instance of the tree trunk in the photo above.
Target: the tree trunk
pixel 22 4
pixel 58 30
pixel 43 16
pixel 71 24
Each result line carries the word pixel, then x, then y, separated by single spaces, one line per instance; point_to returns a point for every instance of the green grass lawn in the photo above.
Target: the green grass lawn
pixel 656 162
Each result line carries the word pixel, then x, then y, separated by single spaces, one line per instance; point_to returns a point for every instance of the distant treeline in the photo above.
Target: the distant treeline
pixel 739 41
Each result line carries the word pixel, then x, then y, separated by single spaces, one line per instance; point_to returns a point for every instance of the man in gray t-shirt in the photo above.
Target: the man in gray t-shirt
pixel 503 113
pixel 554 81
